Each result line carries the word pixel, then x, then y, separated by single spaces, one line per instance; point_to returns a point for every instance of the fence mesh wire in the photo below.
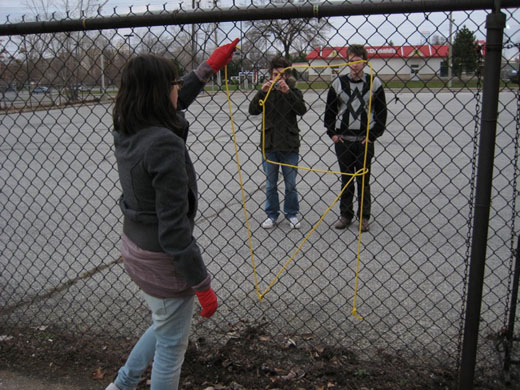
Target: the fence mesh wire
pixel 59 187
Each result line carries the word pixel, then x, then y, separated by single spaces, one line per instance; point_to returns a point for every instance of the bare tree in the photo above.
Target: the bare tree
pixel 439 40
pixel 45 9
pixel 40 8
pixel 289 37
pixel 252 54
pixel 152 43
pixel 180 46
pixel 173 42
pixel 61 60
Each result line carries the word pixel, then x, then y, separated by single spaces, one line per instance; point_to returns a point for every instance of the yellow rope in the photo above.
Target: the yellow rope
pixel 360 172
pixel 246 217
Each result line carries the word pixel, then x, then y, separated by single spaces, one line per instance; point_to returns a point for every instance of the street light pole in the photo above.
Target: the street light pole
pixel 102 56
pixel 128 43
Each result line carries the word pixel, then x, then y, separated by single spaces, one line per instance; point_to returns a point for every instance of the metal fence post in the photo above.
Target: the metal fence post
pixel 510 335
pixel 495 24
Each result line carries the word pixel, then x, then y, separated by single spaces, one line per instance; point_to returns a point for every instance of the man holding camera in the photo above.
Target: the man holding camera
pixel 281 140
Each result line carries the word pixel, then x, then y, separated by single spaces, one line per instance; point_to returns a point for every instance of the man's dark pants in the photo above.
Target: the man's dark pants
pixel 350 158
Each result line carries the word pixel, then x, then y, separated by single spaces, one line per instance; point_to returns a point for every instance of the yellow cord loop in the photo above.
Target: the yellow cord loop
pixel 361 172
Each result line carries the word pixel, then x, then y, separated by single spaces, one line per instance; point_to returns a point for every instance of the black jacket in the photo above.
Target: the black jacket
pixel 281 127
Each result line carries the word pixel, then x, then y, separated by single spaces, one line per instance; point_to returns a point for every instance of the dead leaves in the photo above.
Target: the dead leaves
pixel 98 374
pixel 231 386
pixel 290 343
pixel 329 385
pixel 293 375
pixel 249 358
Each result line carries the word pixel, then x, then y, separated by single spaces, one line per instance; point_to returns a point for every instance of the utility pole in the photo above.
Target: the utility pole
pixel 102 56
pixel 195 6
pixel 450 52
pixel 219 79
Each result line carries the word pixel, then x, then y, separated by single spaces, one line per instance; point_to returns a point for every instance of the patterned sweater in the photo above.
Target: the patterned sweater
pixel 346 111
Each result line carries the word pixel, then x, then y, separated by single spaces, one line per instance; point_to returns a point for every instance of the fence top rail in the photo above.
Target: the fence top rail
pixel 234 14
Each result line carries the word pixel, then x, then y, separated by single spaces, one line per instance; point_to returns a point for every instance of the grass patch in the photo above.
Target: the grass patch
pixel 410 84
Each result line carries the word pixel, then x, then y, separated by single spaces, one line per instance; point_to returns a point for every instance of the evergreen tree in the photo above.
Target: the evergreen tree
pixel 465 52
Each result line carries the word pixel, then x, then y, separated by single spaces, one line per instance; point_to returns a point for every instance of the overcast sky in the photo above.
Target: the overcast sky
pixel 375 30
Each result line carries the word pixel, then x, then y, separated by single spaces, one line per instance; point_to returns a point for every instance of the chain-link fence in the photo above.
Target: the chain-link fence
pixel 59 187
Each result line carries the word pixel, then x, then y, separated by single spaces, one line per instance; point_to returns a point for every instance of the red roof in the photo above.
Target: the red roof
pixel 426 51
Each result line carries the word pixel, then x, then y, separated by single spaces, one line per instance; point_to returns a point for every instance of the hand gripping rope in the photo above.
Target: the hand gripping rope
pixel 361 172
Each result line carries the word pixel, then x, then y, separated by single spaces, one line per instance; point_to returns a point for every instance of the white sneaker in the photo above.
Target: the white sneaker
pixel 268 223
pixel 112 387
pixel 295 224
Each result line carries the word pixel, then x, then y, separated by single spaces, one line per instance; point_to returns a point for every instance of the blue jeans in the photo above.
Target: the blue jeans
pixel 272 203
pixel 165 342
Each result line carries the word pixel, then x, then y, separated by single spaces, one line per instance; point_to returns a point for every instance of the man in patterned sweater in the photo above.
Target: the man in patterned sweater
pixel 346 117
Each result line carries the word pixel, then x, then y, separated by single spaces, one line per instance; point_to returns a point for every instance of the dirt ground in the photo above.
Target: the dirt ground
pixel 248 358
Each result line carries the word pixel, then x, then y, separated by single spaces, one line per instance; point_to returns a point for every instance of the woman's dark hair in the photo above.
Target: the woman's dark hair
pixel 143 98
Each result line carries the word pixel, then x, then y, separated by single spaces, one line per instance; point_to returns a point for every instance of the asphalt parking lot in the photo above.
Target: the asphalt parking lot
pixel 62 224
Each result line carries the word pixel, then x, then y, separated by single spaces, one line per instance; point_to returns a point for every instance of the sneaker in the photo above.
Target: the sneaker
pixel 112 387
pixel 269 223
pixel 365 227
pixel 342 223
pixel 295 224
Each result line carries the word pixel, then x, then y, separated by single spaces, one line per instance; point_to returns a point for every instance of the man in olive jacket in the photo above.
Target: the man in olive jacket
pixel 282 140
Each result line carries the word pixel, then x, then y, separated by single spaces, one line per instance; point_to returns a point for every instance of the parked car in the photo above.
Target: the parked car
pixel 513 76
pixel 41 90
pixel 81 87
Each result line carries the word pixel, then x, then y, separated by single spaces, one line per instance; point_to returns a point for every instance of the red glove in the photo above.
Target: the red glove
pixel 208 301
pixel 222 55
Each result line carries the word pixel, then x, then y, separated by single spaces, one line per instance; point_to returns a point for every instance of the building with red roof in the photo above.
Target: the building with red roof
pixel 404 62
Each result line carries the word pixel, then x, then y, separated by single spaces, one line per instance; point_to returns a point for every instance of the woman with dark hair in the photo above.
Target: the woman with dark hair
pixel 159 203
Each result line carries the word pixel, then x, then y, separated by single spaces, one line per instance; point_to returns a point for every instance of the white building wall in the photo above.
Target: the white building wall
pixel 383 67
